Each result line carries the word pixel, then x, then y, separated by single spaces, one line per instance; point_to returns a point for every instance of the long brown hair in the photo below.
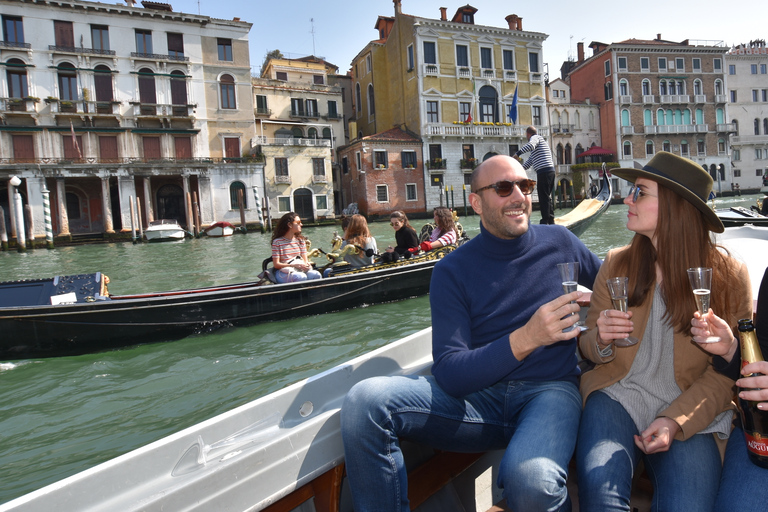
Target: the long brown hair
pixel 283 226
pixel 444 217
pixel 357 232
pixel 683 241
pixel 397 214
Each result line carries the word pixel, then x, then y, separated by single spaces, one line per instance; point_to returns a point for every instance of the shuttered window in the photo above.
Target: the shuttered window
pixel 23 148
pixel 63 34
pixel 108 148
pixel 151 148
pixel 183 146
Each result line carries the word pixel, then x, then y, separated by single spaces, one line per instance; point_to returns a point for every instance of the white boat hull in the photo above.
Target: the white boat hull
pixel 218 231
pixel 164 234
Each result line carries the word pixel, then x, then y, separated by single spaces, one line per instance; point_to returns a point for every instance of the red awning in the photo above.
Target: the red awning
pixel 595 151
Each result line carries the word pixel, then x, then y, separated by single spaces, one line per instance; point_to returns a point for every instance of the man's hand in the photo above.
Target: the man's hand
pixel 546 326
pixel 658 436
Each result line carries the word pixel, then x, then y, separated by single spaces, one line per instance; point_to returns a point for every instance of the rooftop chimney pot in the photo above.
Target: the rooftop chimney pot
pixel 443 14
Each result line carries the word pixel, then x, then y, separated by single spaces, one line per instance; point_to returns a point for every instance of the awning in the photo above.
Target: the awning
pixel 595 151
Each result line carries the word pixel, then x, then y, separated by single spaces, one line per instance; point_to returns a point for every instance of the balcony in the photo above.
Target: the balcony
pixel 463 72
pixel 749 139
pixel 111 108
pixel 285 180
pixel 10 45
pixel 319 178
pixel 726 128
pixel 562 129
pixel 500 130
pixel 18 105
pixel 721 98
pixel 158 56
pixel 510 75
pixel 488 73
pixel 291 141
pixel 74 49
pixel 648 99
pixel 430 69
pixel 627 130
pixel 677 128
pixel 333 116
pixel 675 99
pixel 700 98
pixel 468 163
pixel 625 99
pixel 162 110
pixel 536 77
pixel 436 164
pixel 301 114
pixel 260 112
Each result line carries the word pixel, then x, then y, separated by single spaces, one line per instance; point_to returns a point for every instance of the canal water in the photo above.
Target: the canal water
pixel 63 415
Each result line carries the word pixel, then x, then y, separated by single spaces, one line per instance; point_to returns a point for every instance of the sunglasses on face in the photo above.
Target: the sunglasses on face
pixel 505 187
pixel 635 193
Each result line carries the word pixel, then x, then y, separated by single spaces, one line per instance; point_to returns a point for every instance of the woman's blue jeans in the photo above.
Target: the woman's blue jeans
pixel 536 422
pixel 684 478
pixel 743 486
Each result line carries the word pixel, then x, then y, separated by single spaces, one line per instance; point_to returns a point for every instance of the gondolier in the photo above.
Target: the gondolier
pixel 541 161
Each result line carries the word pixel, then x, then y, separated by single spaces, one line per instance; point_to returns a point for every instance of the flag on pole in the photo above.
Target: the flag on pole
pixel 74 141
pixel 513 108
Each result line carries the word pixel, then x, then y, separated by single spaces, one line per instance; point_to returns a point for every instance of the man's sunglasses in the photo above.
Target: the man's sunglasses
pixel 505 187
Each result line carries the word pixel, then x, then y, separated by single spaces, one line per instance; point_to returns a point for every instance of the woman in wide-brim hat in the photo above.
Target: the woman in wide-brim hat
pixel 659 400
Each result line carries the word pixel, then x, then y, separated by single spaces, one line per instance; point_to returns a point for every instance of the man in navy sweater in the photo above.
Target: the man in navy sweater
pixel 504 372
pixel 541 161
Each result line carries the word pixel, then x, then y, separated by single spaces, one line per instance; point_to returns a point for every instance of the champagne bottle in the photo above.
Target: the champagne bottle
pixel 754 421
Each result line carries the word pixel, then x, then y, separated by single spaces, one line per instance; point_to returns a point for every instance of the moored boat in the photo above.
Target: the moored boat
pixel 588 210
pixel 163 230
pixel 740 216
pixel 218 229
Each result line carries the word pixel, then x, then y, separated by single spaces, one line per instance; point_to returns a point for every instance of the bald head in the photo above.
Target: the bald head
pixel 495 162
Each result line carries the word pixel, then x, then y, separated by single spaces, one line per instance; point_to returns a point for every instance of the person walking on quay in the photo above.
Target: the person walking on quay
pixel 541 161
pixel 505 370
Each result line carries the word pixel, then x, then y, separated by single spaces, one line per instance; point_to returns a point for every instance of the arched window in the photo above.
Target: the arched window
pixel 627 148
pixel 663 88
pixel 559 154
pixel 684 149
pixel 591 120
pixel 16 72
pixel 227 91
pixel 670 117
pixel 564 118
pixel 687 117
pixel 660 117
pixel 757 126
pixel 718 86
pixel 646 87
pixel 719 116
pixel 488 104
pixel 568 154
pixel 555 118
pixel 735 126
pixel 649 151
pixel 577 120
pixel 371 101
pixel 102 83
pixel 699 116
pixel 312 133
pixel 67 76
pixel 623 87
pixel 358 98
pixel 765 126
pixel 625 117
pixel 297 132
pixel 235 189
pixel 721 146
pixel 671 88
pixel 678 116
pixel 666 146
pixel 647 117
pixel 697 87
pixel 178 88
pixel 73 206
pixel 327 133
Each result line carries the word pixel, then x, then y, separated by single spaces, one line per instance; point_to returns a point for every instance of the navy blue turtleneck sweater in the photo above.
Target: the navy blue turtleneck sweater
pixel 489 287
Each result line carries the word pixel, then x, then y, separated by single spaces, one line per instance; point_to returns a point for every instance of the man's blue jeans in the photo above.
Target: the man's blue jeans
pixel 536 422
pixel 684 478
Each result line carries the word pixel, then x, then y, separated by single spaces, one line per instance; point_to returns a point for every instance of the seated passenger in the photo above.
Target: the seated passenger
pixel 444 232
pixel 405 236
pixel 289 251
pixel 357 234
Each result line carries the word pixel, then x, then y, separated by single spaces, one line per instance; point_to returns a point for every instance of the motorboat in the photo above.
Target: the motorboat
pixel 219 229
pixel 163 230
pixel 740 216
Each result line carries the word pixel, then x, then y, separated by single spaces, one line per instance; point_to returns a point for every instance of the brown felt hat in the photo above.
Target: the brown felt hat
pixel 685 177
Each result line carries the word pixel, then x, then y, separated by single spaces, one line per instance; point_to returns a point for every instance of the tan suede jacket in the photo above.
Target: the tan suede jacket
pixel 705 393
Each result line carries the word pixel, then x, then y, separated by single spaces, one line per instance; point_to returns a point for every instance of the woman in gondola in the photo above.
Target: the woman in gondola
pixel 444 232
pixel 289 251
pixel 357 234
pixel 659 400
pixel 405 237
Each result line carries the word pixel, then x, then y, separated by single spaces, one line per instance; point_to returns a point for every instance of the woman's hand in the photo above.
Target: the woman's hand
pixel 758 385
pixel 613 324
pixel 658 436
pixel 712 325
pixel 300 265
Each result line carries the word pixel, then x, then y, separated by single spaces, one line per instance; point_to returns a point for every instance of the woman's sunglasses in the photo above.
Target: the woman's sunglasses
pixel 505 187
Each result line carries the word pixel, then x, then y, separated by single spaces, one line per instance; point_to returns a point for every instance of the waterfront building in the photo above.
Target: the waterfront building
pixel 102 105
pixel 467 91
pixel 299 125
pixel 658 95
pixel 381 173
pixel 574 129
pixel 747 68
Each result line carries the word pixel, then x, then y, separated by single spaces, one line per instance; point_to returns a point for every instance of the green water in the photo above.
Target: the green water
pixel 60 416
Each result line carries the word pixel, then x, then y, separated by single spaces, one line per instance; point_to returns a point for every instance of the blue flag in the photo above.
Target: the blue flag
pixel 513 108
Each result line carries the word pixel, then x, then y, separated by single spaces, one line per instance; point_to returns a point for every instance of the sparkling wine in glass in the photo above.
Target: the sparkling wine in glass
pixel 701 282
pixel 569 276
pixel 619 289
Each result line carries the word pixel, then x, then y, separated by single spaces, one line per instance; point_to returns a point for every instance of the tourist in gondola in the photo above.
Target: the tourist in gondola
pixel 289 251
pixel 743 484
pixel 444 232
pixel 660 399
pixel 505 371
pixel 358 235
pixel 405 238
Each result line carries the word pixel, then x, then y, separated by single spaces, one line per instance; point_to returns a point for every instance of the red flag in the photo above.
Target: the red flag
pixel 469 117
pixel 74 141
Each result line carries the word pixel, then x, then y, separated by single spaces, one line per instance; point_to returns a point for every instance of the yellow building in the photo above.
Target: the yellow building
pixel 469 91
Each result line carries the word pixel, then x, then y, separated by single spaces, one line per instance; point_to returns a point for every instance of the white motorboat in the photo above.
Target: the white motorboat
pixel 219 229
pixel 163 230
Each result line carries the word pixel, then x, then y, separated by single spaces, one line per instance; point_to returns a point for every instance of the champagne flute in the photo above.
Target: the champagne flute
pixel 701 282
pixel 619 289
pixel 569 275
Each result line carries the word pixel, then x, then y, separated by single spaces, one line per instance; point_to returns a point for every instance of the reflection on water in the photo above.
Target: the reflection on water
pixel 60 416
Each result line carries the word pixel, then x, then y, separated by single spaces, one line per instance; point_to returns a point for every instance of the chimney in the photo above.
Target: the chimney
pixel 131 3
pixel 658 37
pixel 515 22
pixel 580 51
pixel 443 14
pixel 398 7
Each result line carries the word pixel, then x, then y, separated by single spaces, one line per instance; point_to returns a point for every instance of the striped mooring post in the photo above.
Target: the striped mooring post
pixel 47 217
